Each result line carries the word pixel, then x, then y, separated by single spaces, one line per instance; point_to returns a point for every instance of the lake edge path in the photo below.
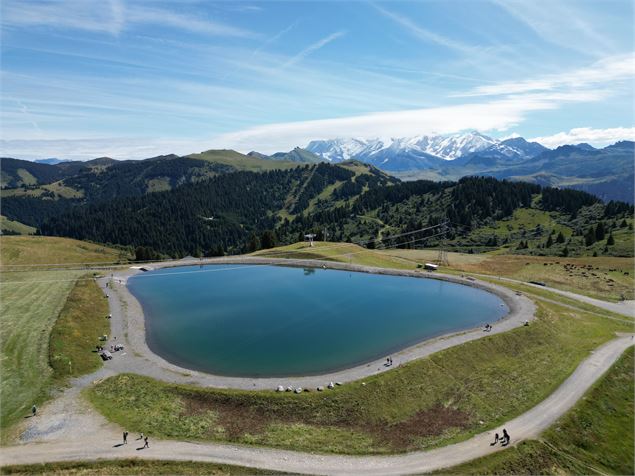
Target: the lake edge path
pixel 97 444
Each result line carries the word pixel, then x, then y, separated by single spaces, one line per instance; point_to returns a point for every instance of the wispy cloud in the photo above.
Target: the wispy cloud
pixel 423 33
pixel 595 137
pixel 96 16
pixel 108 16
pixel 314 47
pixel 605 71
pixel 274 38
pixel 561 24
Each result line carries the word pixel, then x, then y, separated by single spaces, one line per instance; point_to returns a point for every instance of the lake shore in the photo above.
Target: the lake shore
pixel 128 326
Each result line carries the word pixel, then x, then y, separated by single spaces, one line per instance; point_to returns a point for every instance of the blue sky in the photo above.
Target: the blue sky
pixel 136 78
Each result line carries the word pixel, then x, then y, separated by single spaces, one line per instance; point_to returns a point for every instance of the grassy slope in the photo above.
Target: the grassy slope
pixel 243 162
pixel 595 437
pixel 609 279
pixel 15 226
pixel 26 250
pixel 433 401
pixel 131 467
pixel 31 303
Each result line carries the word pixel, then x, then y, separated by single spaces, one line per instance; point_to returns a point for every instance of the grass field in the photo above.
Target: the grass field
pixel 39 250
pixel 131 467
pixel 595 437
pixel 31 304
pixel 434 401
pixel 342 252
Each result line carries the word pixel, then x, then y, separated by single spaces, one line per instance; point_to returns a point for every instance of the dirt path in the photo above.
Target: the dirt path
pixel 625 308
pixel 98 439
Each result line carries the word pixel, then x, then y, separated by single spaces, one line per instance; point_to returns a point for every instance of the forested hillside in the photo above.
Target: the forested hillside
pixel 244 211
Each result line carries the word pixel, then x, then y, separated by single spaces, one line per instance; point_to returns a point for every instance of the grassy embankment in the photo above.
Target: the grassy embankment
pixel 32 301
pixel 433 401
pixel 595 437
pixel 604 277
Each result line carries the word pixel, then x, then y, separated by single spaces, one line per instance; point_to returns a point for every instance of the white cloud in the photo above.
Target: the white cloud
pixel 83 149
pixel 497 115
pixel 610 69
pixel 314 47
pixel 595 137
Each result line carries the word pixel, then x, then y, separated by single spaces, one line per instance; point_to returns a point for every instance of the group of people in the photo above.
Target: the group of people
pixel 504 440
pixel 487 328
pixel 388 361
pixel 146 443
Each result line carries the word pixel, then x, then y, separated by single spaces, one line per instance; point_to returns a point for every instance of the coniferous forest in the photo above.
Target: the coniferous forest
pixel 240 211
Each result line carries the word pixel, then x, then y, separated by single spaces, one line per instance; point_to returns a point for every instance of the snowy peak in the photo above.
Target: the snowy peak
pixel 445 147
pixel 454 146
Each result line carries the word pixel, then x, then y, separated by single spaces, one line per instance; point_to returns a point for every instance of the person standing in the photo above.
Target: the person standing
pixel 495 440
pixel 125 437
pixel 33 410
pixel 505 439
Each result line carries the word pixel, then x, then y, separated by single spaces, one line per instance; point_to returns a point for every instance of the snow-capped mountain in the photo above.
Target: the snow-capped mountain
pixel 423 152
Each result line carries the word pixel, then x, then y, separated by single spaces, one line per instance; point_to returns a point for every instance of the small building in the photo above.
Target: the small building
pixel 431 267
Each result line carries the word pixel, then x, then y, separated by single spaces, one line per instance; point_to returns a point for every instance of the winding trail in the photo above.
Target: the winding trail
pixel 69 429
pixel 90 444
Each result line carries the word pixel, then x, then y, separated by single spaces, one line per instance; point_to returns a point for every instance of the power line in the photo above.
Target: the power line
pixel 90 265
pixel 235 267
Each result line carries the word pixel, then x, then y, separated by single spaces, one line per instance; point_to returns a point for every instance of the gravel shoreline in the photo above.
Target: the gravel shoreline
pixel 128 326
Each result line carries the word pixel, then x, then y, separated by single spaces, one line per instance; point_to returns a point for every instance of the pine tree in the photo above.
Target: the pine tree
pixel 610 240
pixel 549 242
pixel 253 244
pixel 565 251
pixel 589 238
pixel 599 231
pixel 560 238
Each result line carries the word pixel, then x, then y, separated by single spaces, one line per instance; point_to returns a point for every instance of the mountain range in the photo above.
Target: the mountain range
pixel 607 172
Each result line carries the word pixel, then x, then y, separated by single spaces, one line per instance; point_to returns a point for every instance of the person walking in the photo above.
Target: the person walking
pixel 495 440
pixel 33 410
pixel 505 439
pixel 125 437
pixel 145 442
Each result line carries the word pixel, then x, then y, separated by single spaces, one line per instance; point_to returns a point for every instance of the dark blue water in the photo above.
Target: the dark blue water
pixel 245 320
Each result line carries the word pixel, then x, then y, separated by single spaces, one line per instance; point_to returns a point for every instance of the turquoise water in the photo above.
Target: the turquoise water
pixel 243 320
